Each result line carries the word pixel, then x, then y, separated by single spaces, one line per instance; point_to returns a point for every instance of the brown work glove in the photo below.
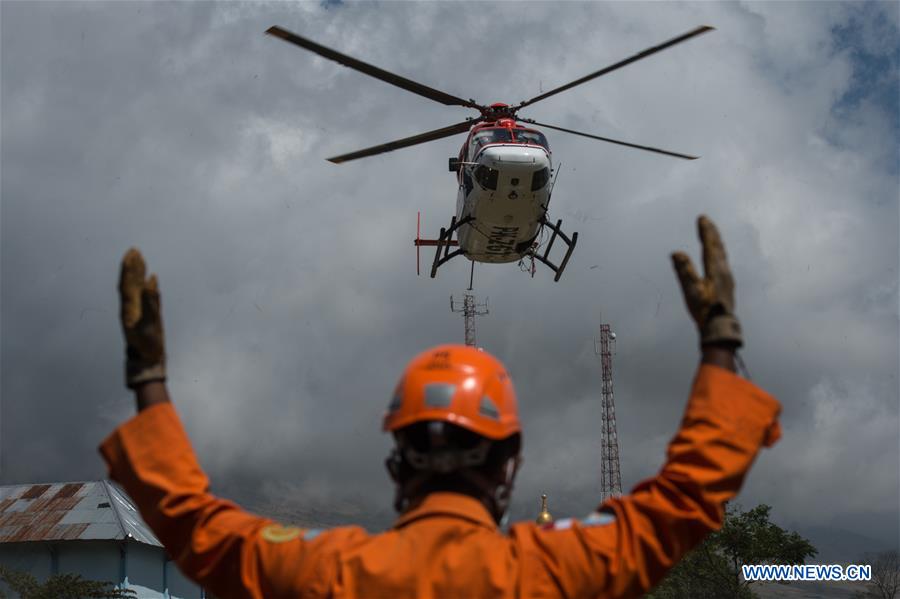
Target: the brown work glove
pixel 141 323
pixel 710 300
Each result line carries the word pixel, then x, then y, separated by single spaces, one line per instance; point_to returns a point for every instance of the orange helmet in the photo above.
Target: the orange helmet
pixel 457 384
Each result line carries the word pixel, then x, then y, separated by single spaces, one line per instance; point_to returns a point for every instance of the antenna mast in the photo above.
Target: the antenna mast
pixel 470 310
pixel 610 477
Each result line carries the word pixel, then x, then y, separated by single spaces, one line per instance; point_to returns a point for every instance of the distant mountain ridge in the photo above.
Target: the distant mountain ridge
pixel 838 546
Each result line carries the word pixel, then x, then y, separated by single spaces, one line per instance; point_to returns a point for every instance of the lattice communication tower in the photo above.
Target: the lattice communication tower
pixel 470 310
pixel 610 477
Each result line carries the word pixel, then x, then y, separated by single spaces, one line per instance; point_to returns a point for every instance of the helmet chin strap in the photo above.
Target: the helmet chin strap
pixel 496 494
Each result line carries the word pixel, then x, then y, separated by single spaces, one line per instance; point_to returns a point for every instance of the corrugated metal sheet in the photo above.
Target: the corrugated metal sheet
pixel 97 510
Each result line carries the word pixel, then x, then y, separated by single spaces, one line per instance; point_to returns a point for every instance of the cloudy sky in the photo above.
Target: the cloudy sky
pixel 290 296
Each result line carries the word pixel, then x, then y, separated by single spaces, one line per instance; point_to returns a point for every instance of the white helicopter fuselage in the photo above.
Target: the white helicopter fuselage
pixel 505 188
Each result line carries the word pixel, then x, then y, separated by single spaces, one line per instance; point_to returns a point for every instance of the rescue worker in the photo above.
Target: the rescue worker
pixel 453 416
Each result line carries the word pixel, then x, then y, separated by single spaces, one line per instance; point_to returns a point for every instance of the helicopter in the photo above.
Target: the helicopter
pixel 504 168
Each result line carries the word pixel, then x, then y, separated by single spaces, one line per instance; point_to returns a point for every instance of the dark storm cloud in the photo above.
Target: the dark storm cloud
pixel 289 294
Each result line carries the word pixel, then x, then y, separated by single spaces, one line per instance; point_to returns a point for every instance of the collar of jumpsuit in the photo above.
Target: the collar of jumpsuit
pixel 448 505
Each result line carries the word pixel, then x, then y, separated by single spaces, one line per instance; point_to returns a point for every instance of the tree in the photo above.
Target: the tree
pixel 713 569
pixel 885 583
pixel 886 573
pixel 60 586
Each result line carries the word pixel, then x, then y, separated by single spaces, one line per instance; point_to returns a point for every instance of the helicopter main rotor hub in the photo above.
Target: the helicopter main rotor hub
pixel 498 111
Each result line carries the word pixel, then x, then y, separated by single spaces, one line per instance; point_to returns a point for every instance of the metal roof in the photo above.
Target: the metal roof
pixel 96 510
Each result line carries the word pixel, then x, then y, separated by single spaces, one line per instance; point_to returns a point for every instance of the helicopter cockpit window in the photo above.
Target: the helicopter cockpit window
pixel 531 137
pixel 540 178
pixel 489 136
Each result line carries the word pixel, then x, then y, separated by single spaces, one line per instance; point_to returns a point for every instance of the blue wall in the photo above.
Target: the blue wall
pixel 143 568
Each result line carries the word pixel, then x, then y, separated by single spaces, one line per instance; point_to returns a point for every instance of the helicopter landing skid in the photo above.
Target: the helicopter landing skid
pixel 557 232
pixel 444 241
pixel 442 253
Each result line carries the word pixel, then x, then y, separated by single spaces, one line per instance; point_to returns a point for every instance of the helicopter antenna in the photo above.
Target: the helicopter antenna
pixel 555 177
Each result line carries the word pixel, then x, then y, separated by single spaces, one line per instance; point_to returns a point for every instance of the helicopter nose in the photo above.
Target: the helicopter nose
pixel 514 156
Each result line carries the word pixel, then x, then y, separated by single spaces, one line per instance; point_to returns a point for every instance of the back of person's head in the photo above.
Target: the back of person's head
pixel 455 422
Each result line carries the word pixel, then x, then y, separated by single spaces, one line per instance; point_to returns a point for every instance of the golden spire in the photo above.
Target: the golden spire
pixel 544 517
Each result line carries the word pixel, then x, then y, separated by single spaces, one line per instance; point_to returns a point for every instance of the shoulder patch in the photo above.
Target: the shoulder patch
pixel 311 534
pixel 276 533
pixel 598 519
pixel 561 524
pixel 593 519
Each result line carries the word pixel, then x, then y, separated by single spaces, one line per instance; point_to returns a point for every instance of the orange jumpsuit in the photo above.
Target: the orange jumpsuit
pixel 449 546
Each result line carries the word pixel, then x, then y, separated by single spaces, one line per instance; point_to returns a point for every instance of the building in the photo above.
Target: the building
pixel 86 528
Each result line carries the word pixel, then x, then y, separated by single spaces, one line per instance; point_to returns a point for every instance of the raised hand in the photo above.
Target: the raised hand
pixel 141 322
pixel 710 300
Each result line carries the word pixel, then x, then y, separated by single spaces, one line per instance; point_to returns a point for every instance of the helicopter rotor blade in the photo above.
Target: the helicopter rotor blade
pixel 371 70
pixel 408 141
pixel 618 65
pixel 613 141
